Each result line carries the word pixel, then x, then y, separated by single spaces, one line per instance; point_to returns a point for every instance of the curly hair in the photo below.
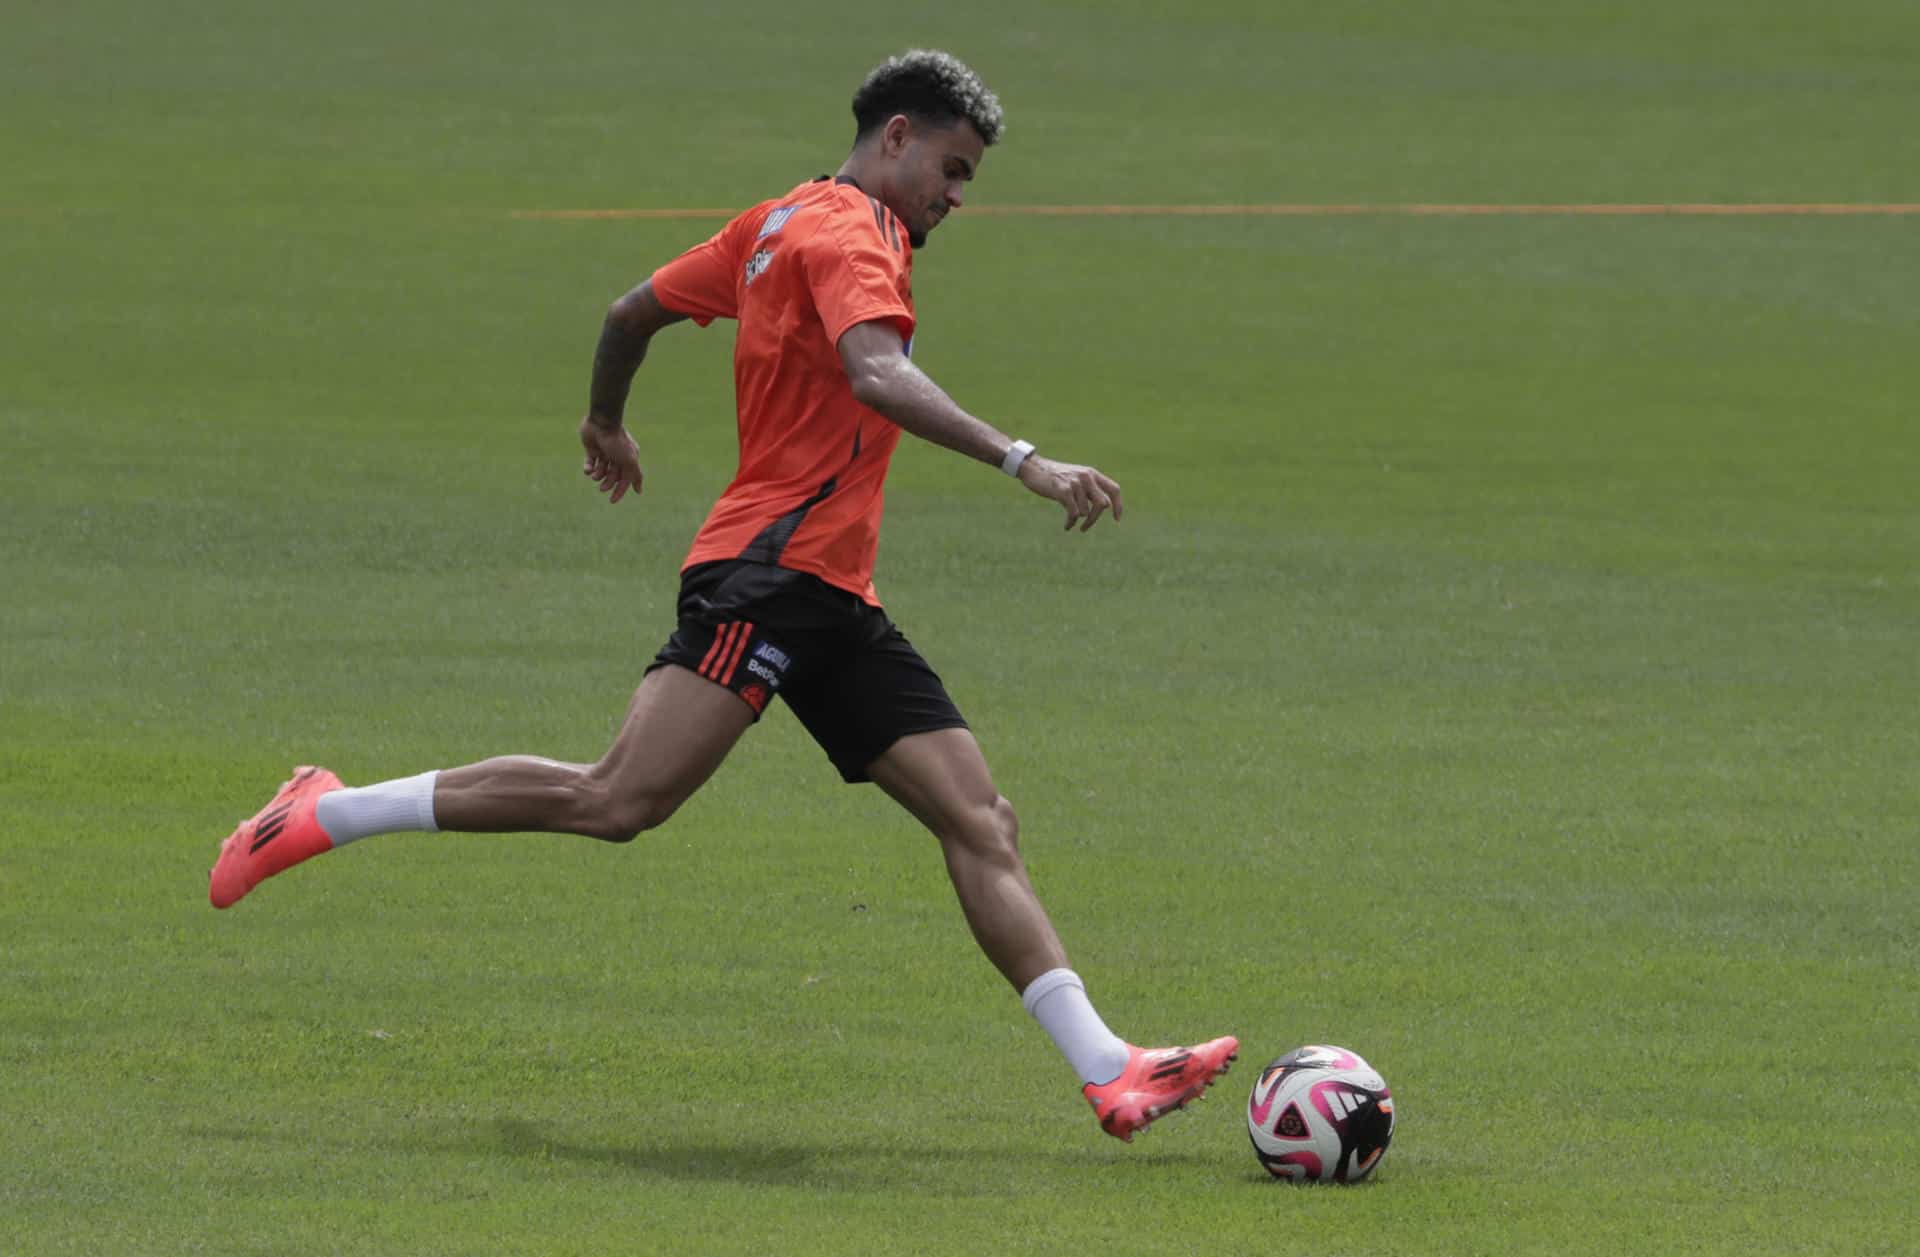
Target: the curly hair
pixel 927 86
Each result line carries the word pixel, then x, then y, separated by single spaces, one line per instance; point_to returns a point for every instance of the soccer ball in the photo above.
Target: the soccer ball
pixel 1320 1115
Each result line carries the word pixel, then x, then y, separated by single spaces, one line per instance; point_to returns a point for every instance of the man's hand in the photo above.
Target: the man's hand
pixel 613 460
pixel 1086 492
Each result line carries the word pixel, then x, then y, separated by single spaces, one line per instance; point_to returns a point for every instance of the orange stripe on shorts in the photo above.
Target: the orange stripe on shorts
pixel 717 651
pixel 739 646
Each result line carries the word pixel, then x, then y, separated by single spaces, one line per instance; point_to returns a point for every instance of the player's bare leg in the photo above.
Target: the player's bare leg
pixel 678 729
pixel 942 778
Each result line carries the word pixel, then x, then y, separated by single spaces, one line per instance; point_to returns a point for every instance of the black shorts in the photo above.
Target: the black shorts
pixel 850 676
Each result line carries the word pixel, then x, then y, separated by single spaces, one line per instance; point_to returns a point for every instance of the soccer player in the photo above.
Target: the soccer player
pixel 776 595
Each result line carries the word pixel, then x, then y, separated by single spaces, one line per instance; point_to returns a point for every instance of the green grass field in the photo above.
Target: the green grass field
pixel 1508 666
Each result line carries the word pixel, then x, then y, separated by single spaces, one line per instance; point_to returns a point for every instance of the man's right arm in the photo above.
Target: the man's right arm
pixel 630 324
pixel 613 459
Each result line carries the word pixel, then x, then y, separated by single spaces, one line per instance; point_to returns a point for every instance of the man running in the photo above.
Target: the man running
pixel 776 595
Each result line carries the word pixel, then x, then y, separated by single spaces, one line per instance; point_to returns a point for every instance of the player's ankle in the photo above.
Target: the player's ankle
pixel 1058 1001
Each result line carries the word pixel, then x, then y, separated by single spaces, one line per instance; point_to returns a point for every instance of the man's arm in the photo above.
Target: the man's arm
pixel 630 323
pixel 613 460
pixel 884 378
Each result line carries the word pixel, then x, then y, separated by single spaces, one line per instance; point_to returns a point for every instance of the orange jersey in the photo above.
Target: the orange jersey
pixel 797 272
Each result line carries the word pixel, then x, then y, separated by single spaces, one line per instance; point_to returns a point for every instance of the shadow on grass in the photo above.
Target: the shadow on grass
pixel 932 1169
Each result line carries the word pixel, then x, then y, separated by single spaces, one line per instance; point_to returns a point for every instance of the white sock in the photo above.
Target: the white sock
pixel 1058 1001
pixel 390 807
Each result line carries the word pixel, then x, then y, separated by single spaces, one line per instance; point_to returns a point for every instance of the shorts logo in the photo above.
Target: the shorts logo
pixel 757 265
pixel 773 655
pixel 775 221
pixel 765 673
pixel 756 697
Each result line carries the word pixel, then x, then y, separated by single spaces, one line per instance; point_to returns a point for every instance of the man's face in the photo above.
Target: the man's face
pixel 931 166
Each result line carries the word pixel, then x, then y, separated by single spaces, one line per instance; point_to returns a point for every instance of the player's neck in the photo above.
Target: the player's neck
pixel 855 171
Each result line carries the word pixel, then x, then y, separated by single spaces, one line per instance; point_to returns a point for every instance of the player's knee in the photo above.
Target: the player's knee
pixel 1006 824
pixel 991 829
pixel 623 816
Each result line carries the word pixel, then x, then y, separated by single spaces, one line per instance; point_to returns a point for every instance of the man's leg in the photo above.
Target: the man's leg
pixel 678 729
pixel 942 778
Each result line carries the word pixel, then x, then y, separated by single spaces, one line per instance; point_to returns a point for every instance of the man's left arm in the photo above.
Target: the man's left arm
pixel 884 378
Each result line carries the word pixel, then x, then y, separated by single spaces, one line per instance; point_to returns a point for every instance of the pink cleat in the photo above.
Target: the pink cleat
pixel 1157 1081
pixel 279 836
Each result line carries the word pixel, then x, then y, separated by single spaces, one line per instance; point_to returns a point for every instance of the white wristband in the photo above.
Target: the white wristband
pixel 1016 455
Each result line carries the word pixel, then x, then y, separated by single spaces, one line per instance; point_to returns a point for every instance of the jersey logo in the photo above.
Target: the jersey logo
pixel 776 220
pixel 757 265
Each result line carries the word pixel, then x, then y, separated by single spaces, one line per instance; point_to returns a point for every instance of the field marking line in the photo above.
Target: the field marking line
pixel 1676 209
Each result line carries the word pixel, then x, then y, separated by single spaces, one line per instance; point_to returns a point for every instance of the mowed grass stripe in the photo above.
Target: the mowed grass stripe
pixel 1651 209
